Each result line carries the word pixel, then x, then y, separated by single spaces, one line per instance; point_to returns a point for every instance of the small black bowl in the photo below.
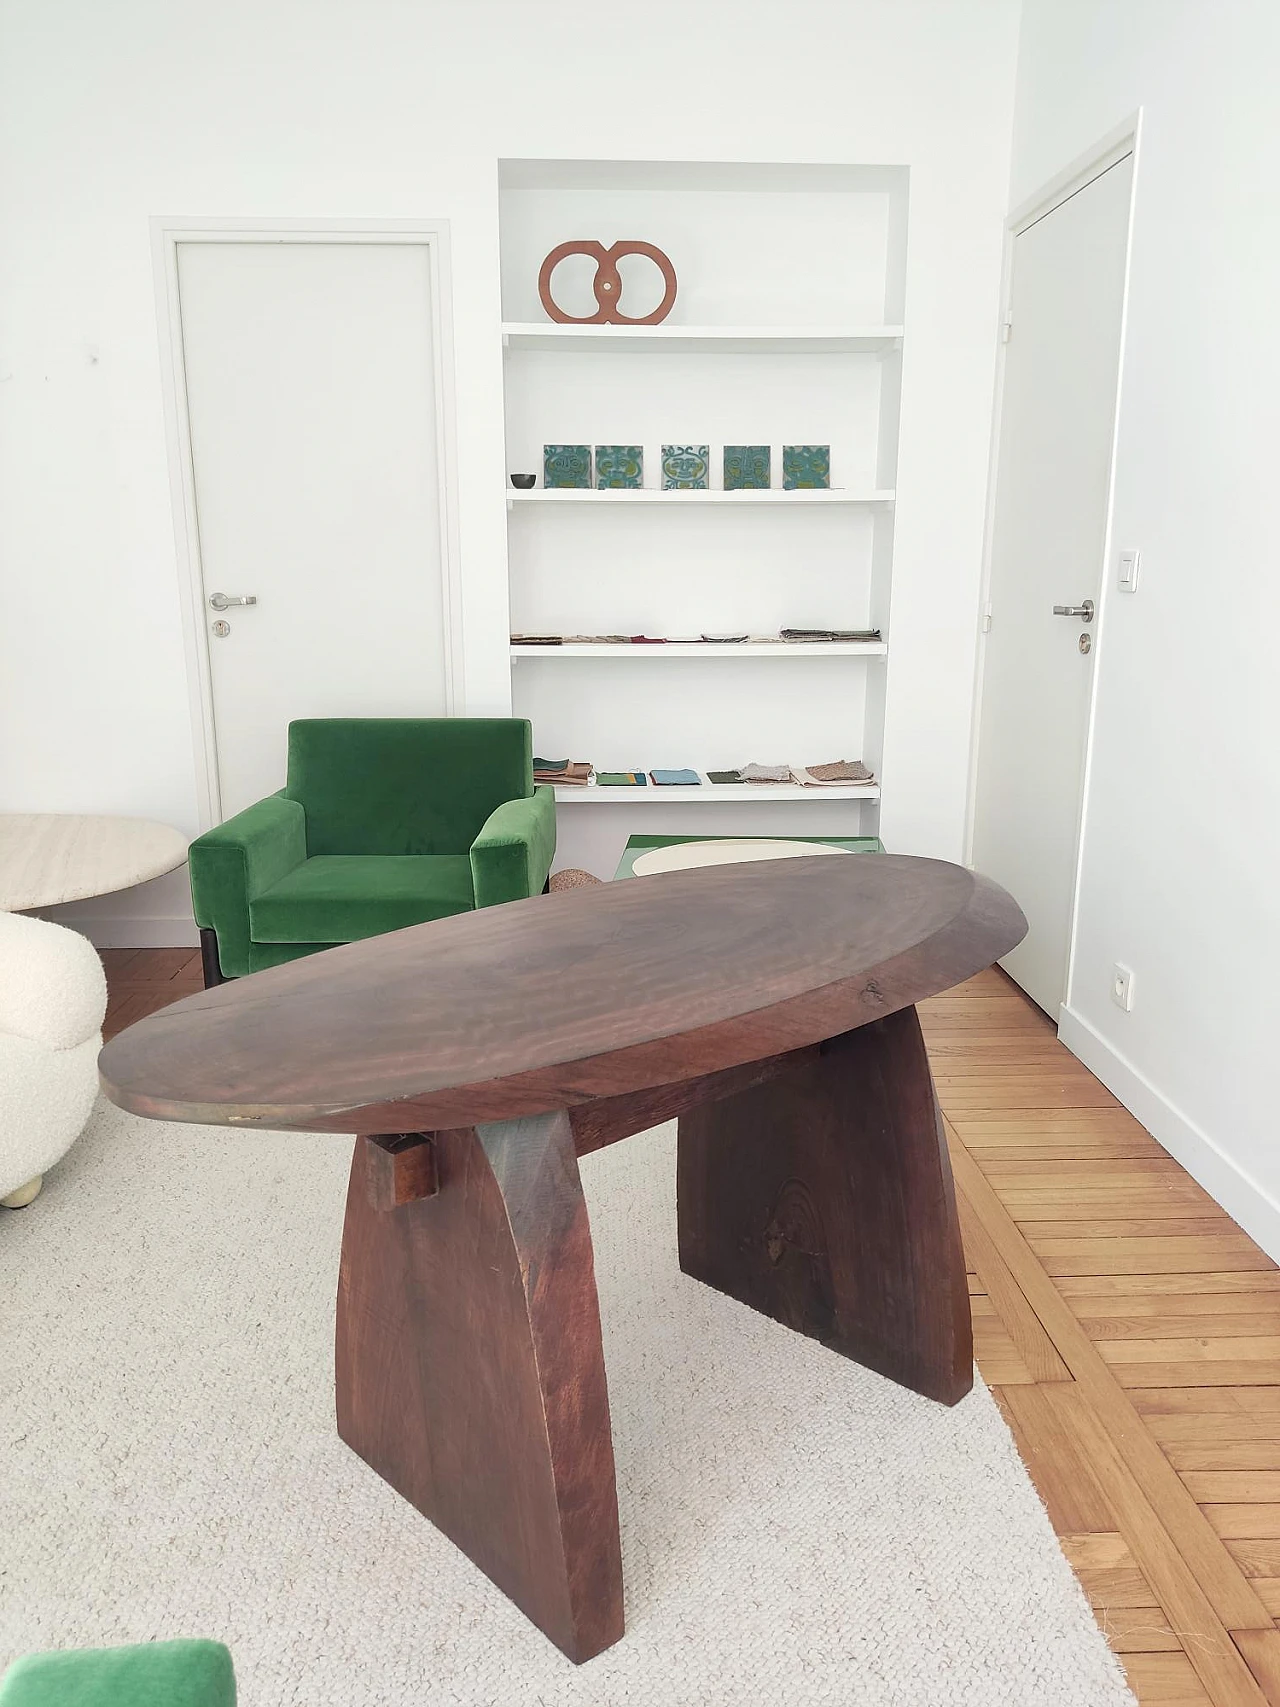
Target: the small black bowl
pixel 524 482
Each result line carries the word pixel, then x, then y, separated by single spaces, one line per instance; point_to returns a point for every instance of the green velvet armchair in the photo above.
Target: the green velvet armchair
pixel 384 822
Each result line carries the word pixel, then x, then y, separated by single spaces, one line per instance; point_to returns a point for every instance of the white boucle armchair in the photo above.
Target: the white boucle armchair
pixel 53 995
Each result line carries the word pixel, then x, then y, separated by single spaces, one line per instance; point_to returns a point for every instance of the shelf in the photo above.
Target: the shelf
pixel 650 794
pixel 710 649
pixel 677 500
pixel 705 340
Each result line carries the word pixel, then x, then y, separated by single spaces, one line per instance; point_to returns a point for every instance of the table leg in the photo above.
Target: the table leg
pixel 470 1372
pixel 824 1199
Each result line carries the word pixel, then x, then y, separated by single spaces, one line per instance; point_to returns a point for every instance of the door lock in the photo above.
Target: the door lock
pixel 1083 611
pixel 221 630
pixel 1085 642
pixel 224 601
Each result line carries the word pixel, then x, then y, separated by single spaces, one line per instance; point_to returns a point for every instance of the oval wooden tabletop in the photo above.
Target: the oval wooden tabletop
pixel 550 1002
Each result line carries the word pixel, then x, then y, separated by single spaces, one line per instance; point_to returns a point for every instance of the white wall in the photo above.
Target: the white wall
pixel 324 109
pixel 1181 843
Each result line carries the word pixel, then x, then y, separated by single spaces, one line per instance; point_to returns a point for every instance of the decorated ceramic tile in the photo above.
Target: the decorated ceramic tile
pixel 746 468
pixel 566 465
pixel 619 465
pixel 685 467
pixel 805 468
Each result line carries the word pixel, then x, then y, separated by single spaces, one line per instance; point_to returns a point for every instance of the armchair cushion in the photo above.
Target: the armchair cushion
pixel 345 897
pixel 405 785
pixel 233 864
pixel 511 857
pixel 152 1674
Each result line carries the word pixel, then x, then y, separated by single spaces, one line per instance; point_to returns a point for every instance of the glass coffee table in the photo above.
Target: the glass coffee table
pixel 730 850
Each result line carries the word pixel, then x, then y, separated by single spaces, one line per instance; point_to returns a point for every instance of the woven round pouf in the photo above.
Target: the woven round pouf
pixel 572 879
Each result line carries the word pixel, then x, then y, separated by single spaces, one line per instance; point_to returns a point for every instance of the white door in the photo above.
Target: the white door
pixel 310 399
pixel 1052 493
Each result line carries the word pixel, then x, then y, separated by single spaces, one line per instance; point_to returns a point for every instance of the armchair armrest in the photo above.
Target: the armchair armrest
pixel 234 863
pixel 512 855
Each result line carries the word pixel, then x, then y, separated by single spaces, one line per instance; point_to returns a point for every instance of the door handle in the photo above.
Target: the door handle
pixel 224 601
pixel 1084 612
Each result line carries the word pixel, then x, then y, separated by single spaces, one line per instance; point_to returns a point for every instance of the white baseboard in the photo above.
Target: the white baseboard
pixel 1247 1202
pixel 106 931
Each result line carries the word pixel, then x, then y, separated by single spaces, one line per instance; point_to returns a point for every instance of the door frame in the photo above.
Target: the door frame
pixel 1117 145
pixel 167 232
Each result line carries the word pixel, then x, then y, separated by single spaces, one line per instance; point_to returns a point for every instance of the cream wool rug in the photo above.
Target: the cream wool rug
pixel 794 1529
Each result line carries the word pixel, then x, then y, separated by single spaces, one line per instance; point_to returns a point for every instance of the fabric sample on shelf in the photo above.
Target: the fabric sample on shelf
pixel 574 772
pixel 830 634
pixel 675 779
pixel 724 776
pixel 647 640
pixel 621 779
pixel 725 639
pixel 840 770
pixel 765 773
pixel 537 640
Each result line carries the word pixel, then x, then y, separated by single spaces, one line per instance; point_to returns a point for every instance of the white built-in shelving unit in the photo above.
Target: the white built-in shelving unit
pixel 696 500
pixel 643 653
pixel 705 790
pixel 787 329
pixel 707 340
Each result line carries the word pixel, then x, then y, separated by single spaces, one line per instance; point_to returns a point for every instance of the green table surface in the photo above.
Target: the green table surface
pixel 638 845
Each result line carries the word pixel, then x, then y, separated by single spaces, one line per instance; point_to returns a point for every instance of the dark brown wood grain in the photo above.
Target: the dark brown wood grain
pixel 605 1121
pixel 562 999
pixel 824 1199
pixel 470 1373
pixel 400 1167
pixel 769 1006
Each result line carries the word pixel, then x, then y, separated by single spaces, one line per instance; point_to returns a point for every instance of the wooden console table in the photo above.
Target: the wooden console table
pixel 769 1006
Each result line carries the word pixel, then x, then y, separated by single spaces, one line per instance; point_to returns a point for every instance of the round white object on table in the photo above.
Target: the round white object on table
pixel 685 856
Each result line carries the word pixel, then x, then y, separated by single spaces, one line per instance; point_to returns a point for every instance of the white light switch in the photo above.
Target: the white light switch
pixel 1130 562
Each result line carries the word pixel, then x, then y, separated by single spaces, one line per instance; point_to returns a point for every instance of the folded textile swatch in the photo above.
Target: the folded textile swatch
pixel 621 779
pixel 675 779
pixel 576 773
pixel 830 634
pixel 840 770
pixel 765 773
pixel 537 640
pixel 724 776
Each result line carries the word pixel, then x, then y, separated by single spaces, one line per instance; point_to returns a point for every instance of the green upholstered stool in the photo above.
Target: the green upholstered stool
pixel 384 822
pixel 152 1674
